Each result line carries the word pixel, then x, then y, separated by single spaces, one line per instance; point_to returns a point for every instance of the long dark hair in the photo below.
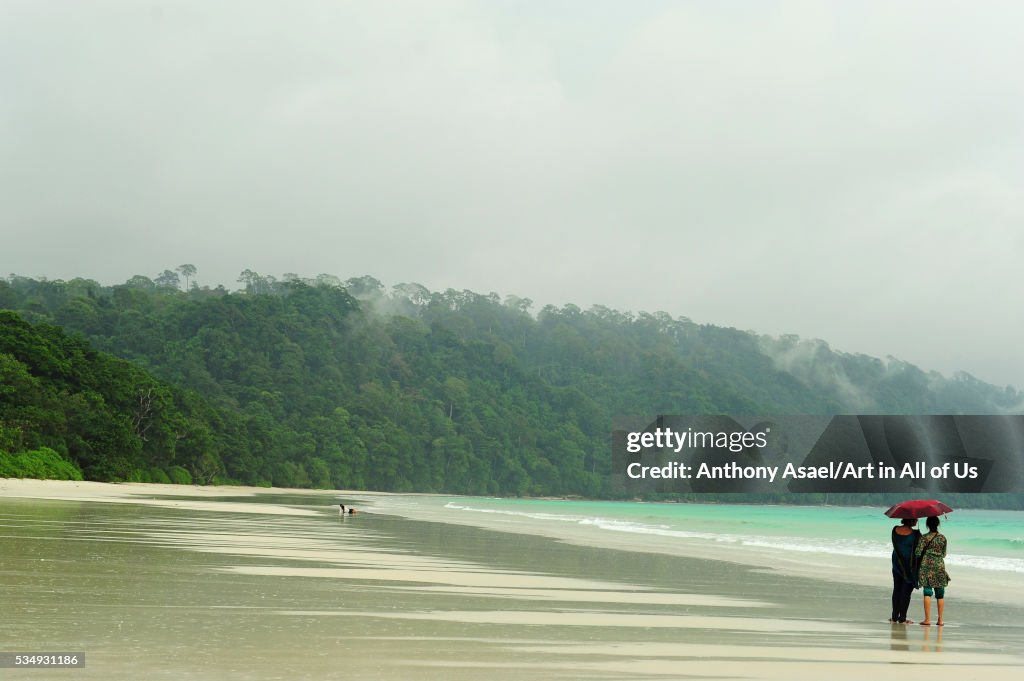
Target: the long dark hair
pixel 933 523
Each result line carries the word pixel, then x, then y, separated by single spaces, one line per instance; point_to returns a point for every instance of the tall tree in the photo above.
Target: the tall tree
pixel 188 271
pixel 251 280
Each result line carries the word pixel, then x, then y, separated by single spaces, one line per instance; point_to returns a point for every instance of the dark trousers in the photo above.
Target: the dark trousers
pixel 901 593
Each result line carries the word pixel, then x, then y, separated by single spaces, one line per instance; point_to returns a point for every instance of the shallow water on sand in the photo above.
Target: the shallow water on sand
pixel 843 544
pixel 281 587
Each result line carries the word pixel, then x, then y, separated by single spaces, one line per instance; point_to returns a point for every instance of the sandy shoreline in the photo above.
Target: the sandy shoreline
pixel 977 585
pixel 67 489
pixel 152 494
pixel 398 599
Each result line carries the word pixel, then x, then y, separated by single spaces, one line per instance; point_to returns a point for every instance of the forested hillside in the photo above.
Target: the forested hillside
pixel 68 410
pixel 327 383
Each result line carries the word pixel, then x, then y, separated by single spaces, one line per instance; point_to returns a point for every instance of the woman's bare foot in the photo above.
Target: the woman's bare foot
pixel 925 623
pixel 939 623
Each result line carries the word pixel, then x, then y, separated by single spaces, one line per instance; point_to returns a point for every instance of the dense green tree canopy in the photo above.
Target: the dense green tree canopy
pixel 327 383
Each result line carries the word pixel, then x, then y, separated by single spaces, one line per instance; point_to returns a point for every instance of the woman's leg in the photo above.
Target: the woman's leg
pixel 940 600
pixel 895 599
pixel 927 606
pixel 907 592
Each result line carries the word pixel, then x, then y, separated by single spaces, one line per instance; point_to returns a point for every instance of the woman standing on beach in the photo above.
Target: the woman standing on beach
pixel 904 568
pixel 931 553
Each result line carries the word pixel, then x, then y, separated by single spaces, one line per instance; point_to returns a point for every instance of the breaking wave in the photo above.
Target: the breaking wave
pixel 844 546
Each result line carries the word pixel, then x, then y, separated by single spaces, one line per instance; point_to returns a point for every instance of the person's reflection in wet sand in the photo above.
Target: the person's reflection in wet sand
pixel 927 645
pixel 898 637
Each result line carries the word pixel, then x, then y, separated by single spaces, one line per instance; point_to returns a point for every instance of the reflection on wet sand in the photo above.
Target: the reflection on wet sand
pixel 930 642
pixel 178 589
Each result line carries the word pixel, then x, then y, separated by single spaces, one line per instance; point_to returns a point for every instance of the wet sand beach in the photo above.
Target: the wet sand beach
pixel 176 582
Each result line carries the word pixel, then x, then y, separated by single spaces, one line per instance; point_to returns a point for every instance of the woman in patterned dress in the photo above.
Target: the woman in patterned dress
pixel 932 575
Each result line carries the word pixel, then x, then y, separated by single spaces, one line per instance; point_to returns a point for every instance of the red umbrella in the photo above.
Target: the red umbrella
pixel 918 508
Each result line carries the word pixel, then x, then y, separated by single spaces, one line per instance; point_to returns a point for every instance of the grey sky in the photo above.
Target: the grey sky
pixel 847 171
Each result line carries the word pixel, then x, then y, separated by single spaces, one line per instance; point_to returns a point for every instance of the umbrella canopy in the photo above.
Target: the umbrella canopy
pixel 918 508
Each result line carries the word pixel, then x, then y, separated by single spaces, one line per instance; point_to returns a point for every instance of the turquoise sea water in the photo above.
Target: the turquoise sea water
pixel 985 539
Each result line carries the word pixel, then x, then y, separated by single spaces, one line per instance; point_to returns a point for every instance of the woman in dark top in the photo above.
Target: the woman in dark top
pixel 904 568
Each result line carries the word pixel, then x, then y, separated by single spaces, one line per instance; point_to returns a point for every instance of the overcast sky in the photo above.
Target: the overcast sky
pixel 847 171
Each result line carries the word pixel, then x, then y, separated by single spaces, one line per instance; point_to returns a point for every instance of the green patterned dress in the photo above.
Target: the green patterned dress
pixel 931 554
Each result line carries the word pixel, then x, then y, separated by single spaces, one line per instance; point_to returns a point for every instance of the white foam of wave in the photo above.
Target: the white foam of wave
pixel 841 547
pixel 535 515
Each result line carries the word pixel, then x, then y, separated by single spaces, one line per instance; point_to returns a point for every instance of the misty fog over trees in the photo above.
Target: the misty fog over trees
pixel 327 383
